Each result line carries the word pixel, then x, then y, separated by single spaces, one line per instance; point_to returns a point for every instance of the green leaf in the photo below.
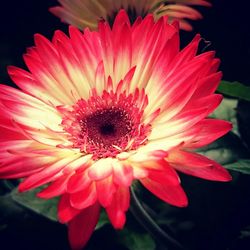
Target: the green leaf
pixel 135 240
pixel 242 165
pixel 46 208
pixel 235 89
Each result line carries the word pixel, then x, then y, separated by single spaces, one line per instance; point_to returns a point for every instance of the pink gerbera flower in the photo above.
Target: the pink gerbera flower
pixel 86 13
pixel 100 109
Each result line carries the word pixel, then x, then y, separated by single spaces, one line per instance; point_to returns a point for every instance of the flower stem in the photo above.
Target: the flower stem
pixel 150 225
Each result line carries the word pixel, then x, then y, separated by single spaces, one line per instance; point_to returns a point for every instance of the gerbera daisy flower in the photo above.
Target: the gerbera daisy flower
pixel 97 110
pixel 86 13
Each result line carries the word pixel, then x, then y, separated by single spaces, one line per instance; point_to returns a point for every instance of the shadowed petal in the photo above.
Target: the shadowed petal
pixel 82 226
pixel 120 204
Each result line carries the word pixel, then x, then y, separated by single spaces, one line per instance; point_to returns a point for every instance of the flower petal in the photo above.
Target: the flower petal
pixel 101 169
pixel 56 188
pixel 173 195
pixel 65 211
pixel 164 174
pixel 198 165
pixel 123 174
pixel 84 198
pixel 47 174
pixel 78 181
pixel 120 204
pixel 105 190
pixel 208 131
pixel 82 226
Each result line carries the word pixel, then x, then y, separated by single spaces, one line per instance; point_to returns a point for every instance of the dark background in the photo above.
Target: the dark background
pixel 227 26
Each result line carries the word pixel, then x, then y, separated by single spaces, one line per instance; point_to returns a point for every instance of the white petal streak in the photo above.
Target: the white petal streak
pixel 123 174
pixel 161 144
pixel 48 174
pixel 27 110
pixel 177 125
pixel 78 163
pixel 101 169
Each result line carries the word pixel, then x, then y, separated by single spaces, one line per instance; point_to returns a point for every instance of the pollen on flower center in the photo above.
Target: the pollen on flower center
pixel 107 125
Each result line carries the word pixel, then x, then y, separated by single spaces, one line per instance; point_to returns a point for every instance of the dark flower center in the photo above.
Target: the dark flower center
pixel 106 127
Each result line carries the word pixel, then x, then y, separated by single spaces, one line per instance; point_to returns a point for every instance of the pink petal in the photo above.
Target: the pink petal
pixel 209 130
pixel 82 226
pixel 46 81
pixel 84 198
pixel 211 102
pixel 105 189
pixel 180 157
pixel 65 211
pixel 199 166
pixel 121 19
pixel 87 50
pixel 118 207
pixel 165 175
pixel 107 46
pixel 186 54
pixel 29 84
pixel 19 166
pixel 148 48
pixel 78 181
pixel 122 51
pixel 168 193
pixel 100 169
pixel 56 188
pixel 47 174
pixel 214 173
pixel 71 66
pixel 123 174
pixel 207 85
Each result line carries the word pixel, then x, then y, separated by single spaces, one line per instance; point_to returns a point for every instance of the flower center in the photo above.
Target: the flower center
pixel 107 125
pixel 107 129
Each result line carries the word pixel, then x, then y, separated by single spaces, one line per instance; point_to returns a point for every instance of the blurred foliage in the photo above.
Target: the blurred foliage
pixel 235 89
pixel 243 166
pixel 243 118
pixel 134 240
pixel 47 208
pixel 245 233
